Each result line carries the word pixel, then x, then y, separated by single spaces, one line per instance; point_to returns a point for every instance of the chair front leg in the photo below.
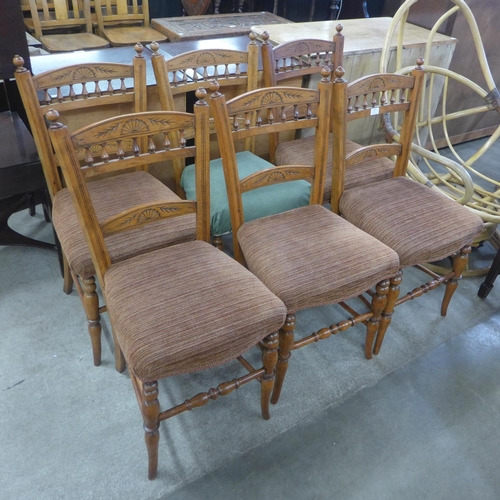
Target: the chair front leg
pixel 379 301
pixel 150 409
pixel 386 318
pixel 269 360
pixel 91 305
pixel 286 338
pixel 459 264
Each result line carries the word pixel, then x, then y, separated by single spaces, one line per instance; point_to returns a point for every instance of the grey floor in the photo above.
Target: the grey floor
pixel 419 421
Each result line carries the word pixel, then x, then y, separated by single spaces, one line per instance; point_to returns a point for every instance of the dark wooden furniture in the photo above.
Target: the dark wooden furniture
pixel 222 25
pixel 22 183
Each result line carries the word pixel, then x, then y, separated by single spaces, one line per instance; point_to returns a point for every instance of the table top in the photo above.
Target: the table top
pixel 360 35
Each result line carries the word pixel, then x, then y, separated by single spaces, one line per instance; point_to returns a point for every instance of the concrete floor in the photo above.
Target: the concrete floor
pixel 419 421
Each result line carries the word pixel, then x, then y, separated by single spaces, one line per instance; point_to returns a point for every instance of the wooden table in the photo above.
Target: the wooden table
pixel 222 25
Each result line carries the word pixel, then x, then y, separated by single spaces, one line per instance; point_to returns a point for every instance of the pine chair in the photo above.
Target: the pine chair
pixel 164 314
pixel 399 212
pixel 125 22
pixel 79 91
pixel 180 75
pixel 285 63
pixel 50 15
pixel 307 256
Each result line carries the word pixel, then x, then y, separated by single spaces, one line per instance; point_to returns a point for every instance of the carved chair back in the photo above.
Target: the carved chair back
pixel 262 112
pixel 118 141
pixel 182 74
pixel 76 91
pixel 374 95
pixel 295 62
pixel 56 14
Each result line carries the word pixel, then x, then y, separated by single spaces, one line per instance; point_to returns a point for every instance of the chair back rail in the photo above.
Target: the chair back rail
pixel 253 114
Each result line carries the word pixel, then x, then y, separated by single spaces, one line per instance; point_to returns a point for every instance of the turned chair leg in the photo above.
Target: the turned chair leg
pixel 487 284
pixel 150 409
pixel 217 242
pixel 286 338
pixel 67 277
pixel 459 264
pixel 91 306
pixel 269 360
pixel 386 318
pixel 379 301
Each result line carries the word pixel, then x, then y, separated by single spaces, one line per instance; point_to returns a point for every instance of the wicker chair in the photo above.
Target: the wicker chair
pixel 459 177
pixel 399 212
pixel 163 311
pixel 307 256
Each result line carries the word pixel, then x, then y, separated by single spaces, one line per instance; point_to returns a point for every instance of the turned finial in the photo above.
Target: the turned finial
pixel 420 62
pixel 138 49
pixel 214 88
pixel 325 73
pixel 265 37
pixel 52 115
pixel 339 73
pixel 19 62
pixel 155 46
pixel 200 94
pixel 253 36
pixel 339 29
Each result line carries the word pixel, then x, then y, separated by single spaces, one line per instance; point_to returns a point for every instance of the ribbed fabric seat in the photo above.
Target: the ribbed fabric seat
pixel 110 197
pixel 333 261
pixel 151 301
pixel 301 152
pixel 420 224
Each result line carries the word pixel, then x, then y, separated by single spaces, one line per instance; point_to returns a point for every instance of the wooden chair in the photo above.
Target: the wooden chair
pixel 307 256
pixel 179 76
pixel 79 91
pixel 163 311
pixel 303 59
pixel 48 16
pixel 125 22
pixel 419 223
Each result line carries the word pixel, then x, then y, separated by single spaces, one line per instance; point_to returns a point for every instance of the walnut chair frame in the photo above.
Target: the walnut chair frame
pixel 79 91
pixel 166 339
pixel 293 63
pixel 50 15
pixel 125 22
pixel 307 256
pixel 399 211
pixel 182 74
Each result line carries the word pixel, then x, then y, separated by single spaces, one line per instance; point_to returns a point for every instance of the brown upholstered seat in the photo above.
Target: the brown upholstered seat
pixel 335 262
pixel 416 235
pixel 164 313
pixel 110 197
pixel 200 329
pixel 419 223
pixel 307 256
